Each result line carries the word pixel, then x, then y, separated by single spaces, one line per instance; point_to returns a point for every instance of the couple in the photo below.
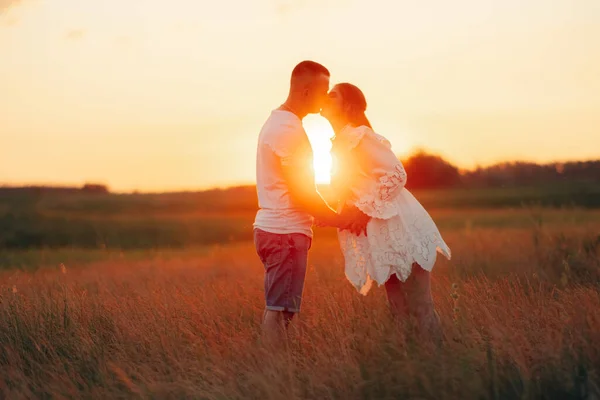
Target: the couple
pixel 385 234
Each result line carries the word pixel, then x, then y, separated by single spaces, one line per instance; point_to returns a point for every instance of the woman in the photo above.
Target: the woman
pixel 401 241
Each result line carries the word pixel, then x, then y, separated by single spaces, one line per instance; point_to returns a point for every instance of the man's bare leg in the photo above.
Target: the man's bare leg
pixel 274 326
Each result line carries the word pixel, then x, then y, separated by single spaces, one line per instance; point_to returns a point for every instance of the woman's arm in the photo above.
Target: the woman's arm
pixel 377 160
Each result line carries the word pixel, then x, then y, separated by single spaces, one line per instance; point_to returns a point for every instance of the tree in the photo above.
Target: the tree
pixel 95 188
pixel 430 171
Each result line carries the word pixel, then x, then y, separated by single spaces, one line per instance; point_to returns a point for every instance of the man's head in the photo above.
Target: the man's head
pixel 309 86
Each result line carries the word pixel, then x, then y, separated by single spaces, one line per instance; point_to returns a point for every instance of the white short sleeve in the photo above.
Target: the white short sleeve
pixel 290 143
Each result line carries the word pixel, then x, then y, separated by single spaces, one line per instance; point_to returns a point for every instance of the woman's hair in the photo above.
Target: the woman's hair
pixel 355 104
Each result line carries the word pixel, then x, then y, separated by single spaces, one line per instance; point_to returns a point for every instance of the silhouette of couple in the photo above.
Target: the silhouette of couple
pixel 385 234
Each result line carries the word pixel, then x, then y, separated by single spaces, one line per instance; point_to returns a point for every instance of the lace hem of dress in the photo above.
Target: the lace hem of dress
pixel 367 263
pixel 379 205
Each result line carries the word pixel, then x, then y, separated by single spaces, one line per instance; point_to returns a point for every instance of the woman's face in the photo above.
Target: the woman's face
pixel 333 109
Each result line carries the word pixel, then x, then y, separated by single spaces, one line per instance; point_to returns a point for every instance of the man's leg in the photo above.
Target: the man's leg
pixel 298 261
pixel 273 327
pixel 285 258
pixel 275 324
pixel 270 249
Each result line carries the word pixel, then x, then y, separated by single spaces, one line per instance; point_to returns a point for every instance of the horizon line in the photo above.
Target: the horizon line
pixel 234 185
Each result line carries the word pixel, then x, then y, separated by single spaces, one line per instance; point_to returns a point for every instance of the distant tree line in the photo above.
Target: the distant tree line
pixel 425 171
pixel 40 190
pixel 431 171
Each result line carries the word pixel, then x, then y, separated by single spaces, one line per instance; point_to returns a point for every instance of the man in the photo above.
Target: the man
pixel 288 198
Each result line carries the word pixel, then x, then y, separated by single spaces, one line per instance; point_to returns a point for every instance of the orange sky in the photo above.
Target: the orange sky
pixel 154 95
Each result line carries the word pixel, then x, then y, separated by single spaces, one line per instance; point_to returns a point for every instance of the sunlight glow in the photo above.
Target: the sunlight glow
pixel 319 133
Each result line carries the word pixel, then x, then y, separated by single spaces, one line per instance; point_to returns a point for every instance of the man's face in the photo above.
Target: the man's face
pixel 317 93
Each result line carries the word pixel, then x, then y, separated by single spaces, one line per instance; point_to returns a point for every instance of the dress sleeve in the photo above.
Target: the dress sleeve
pixel 344 160
pixel 378 161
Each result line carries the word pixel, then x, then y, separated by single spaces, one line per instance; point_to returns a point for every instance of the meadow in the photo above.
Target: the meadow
pixel 51 218
pixel 519 303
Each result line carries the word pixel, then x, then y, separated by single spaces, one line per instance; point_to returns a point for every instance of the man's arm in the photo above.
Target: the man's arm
pixel 303 190
pixel 301 184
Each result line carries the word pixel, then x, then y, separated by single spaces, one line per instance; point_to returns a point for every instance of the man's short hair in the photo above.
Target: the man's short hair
pixel 309 68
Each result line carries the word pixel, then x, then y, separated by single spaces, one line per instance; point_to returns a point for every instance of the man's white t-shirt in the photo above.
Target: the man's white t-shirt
pixel 282 141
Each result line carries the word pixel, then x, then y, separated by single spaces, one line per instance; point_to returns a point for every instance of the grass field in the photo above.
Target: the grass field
pixel 54 219
pixel 519 302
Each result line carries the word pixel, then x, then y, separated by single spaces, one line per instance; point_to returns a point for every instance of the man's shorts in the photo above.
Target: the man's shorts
pixel 285 258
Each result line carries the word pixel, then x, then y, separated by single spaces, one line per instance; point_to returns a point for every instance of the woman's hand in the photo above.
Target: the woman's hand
pixel 357 220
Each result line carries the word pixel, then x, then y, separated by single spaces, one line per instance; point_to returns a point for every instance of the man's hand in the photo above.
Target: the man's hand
pixel 304 192
pixel 356 220
pixel 359 220
pixel 328 221
pixel 335 220
pixel 351 219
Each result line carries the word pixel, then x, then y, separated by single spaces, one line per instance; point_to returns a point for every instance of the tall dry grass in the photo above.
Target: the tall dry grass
pixel 520 311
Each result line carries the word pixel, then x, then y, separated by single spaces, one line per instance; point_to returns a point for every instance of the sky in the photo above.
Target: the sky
pixel 156 96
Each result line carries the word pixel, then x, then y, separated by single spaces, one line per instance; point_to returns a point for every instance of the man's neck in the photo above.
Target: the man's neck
pixel 294 107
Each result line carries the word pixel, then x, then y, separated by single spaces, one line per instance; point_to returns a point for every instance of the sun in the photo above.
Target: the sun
pixel 319 133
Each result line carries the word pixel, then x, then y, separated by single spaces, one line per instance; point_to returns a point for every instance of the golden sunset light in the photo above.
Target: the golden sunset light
pixel 144 95
pixel 319 133
pixel 300 199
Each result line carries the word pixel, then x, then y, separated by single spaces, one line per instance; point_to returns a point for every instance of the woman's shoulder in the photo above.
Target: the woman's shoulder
pixel 351 136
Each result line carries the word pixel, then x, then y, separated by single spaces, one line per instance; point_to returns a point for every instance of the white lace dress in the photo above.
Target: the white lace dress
pixel 367 174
